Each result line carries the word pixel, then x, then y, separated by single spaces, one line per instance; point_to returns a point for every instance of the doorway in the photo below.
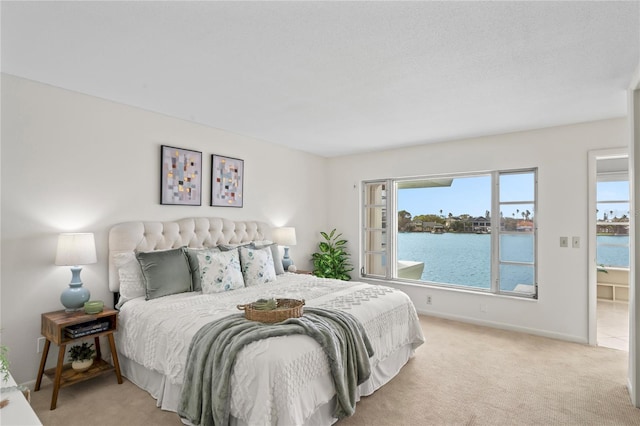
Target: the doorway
pixel 609 249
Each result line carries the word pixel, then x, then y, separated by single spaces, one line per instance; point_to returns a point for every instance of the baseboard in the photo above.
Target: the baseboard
pixel 509 327
pixel 31 384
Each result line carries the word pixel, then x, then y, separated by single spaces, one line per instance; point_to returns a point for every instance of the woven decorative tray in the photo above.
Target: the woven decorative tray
pixel 285 309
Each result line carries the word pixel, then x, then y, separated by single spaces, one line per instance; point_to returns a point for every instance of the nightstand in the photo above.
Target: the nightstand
pixel 54 325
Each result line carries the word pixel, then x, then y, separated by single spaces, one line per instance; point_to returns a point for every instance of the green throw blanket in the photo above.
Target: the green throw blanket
pixel 206 391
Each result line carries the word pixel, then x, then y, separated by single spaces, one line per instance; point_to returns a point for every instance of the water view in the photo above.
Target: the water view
pixel 613 250
pixel 465 259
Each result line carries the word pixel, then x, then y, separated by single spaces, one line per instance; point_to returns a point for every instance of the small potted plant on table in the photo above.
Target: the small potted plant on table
pixel 81 356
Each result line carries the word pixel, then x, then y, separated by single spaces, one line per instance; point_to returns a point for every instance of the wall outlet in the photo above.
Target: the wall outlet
pixel 428 300
pixel 483 307
pixel 564 241
pixel 40 344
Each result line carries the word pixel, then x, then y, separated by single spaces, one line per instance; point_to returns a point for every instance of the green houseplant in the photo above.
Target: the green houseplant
pixel 81 356
pixel 332 261
pixel 4 363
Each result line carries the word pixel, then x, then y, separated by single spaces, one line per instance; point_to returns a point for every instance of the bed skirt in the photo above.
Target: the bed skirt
pixel 167 394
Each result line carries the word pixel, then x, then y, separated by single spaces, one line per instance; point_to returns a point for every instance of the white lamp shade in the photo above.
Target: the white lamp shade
pixel 76 249
pixel 285 236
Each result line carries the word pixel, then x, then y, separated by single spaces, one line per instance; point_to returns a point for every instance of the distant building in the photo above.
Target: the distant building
pixel 524 226
pixel 481 224
pixel 427 227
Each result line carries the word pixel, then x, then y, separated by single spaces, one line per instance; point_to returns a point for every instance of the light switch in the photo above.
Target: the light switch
pixel 575 242
pixel 564 241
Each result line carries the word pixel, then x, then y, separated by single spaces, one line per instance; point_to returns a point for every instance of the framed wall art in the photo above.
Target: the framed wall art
pixel 181 176
pixel 227 181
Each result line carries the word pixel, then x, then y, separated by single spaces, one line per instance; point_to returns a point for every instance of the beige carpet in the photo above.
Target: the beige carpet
pixel 463 375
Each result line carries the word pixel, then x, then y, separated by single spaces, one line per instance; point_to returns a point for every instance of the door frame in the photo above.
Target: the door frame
pixel 594 156
pixel 633 114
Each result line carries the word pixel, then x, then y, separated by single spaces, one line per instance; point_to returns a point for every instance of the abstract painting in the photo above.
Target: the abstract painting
pixel 227 178
pixel 181 180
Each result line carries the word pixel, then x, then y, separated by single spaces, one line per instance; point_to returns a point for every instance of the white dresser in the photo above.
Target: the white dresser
pixel 18 412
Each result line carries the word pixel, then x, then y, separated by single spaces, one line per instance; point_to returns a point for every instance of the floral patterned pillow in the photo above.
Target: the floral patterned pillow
pixel 257 265
pixel 219 271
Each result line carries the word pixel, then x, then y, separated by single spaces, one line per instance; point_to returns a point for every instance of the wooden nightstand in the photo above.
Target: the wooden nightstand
pixel 53 328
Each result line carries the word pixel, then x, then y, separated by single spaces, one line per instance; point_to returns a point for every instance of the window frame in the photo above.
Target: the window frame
pixel 389 252
pixel 612 177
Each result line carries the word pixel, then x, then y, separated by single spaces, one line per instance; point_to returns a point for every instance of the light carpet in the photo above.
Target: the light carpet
pixel 463 375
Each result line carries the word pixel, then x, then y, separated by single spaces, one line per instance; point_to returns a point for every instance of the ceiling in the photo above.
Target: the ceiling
pixel 337 78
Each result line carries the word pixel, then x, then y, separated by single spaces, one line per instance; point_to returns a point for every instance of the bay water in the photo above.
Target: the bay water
pixel 465 259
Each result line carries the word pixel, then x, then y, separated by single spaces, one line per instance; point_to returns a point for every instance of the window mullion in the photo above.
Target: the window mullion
pixel 392 229
pixel 495 233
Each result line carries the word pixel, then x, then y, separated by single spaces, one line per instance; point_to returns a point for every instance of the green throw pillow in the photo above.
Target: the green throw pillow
pixel 165 272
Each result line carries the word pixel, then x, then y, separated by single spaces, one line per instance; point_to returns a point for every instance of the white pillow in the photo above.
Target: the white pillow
pixel 257 266
pixel 194 265
pixel 219 271
pixel 130 276
pixel 275 253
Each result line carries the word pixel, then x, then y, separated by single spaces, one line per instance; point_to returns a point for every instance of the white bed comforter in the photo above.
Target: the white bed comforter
pixel 278 380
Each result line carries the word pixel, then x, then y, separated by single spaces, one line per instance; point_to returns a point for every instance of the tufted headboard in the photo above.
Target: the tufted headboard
pixel 195 232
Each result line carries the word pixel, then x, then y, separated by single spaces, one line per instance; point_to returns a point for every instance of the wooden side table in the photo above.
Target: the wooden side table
pixel 53 328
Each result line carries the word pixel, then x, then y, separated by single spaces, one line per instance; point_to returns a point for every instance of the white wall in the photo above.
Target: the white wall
pixel 560 154
pixel 72 162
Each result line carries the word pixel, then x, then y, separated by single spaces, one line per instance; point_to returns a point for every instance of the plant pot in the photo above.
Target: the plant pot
pixel 82 365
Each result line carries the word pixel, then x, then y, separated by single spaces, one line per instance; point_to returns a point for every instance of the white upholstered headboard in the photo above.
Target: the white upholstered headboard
pixel 195 232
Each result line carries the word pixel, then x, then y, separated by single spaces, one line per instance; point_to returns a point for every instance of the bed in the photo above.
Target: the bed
pixel 277 381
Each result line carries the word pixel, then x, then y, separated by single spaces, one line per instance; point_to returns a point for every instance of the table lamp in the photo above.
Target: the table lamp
pixel 75 249
pixel 285 236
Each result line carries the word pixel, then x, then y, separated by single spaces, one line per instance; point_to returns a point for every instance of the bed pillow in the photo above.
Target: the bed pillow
pixel 130 277
pixel 257 266
pixel 261 242
pixel 195 266
pixel 165 272
pixel 275 253
pixel 229 247
pixel 219 271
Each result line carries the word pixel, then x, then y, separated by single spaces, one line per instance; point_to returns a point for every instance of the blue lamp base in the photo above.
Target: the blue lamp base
pixel 74 297
pixel 286 260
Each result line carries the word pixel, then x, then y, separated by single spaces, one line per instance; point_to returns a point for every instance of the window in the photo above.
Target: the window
pixel 612 224
pixel 444 231
pixel 375 233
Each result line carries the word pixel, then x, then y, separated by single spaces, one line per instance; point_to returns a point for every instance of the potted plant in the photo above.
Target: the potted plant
pixel 4 363
pixel 332 261
pixel 81 356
